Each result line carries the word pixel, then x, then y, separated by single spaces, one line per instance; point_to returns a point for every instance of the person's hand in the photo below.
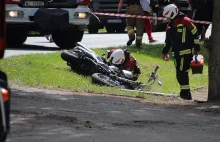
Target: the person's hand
pixel 195 52
pixel 166 57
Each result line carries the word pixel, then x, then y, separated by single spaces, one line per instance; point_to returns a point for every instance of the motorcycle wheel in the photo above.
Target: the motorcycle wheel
pixel 70 56
pixel 101 79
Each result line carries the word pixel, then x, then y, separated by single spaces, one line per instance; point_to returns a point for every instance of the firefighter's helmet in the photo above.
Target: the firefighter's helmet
pixel 117 57
pixel 170 11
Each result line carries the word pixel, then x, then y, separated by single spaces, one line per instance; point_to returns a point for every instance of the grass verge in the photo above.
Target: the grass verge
pixel 50 71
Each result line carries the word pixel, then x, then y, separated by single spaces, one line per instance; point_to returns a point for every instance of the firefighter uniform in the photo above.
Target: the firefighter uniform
pixel 182 36
pixel 134 8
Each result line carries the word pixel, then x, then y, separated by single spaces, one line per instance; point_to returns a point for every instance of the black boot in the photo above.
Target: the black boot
pixel 186 94
pixel 131 39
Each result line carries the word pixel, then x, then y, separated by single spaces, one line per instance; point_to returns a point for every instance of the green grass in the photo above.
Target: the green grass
pixel 50 71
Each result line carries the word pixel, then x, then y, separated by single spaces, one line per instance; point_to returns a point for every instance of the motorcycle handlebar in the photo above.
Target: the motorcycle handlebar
pixel 155 70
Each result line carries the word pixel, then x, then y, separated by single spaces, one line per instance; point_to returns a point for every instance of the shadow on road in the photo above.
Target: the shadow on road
pixel 33 47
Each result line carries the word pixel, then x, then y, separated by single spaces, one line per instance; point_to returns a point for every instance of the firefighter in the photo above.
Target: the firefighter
pixel 133 8
pixel 182 36
pixel 122 59
pixel 203 11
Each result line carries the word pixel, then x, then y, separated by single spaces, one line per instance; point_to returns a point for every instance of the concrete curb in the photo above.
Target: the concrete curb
pixel 152 93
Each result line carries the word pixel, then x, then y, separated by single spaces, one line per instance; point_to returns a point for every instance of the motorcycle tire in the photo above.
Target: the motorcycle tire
pixel 101 79
pixel 71 57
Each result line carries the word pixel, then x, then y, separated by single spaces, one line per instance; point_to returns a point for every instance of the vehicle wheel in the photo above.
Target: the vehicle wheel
pixel 120 28
pixel 102 79
pixel 110 29
pixel 16 35
pixel 93 30
pixel 67 38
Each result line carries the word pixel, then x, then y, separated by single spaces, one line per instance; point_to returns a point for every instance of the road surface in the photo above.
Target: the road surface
pixel 40 115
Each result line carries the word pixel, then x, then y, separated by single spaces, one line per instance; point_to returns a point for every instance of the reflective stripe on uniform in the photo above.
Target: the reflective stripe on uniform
pixel 181 64
pixel 179 30
pixel 184 35
pixel 194 30
pixel 196 41
pixel 131 31
pixel 139 37
pixel 183 52
pixel 184 87
pixel 179 25
pixel 175 62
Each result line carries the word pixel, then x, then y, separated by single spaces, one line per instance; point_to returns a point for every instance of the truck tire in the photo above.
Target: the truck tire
pixel 16 35
pixel 120 28
pixel 110 29
pixel 67 38
pixel 93 30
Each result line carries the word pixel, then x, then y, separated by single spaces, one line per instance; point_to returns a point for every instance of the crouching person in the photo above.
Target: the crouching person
pixel 123 60
pixel 182 36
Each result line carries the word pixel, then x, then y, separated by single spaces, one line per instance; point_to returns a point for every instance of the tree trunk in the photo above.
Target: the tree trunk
pixel 214 56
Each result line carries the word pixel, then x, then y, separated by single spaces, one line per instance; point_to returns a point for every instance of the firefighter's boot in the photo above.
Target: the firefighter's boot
pixel 186 94
pixel 138 42
pixel 131 39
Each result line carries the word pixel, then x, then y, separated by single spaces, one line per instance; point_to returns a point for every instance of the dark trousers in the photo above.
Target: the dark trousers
pixel 182 64
pixel 201 15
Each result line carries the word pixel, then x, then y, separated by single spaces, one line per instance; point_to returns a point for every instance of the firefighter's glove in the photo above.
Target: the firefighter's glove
pixel 135 77
pixel 137 70
pixel 166 57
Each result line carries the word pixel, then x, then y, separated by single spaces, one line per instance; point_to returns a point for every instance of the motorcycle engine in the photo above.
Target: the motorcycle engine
pixel 128 74
pixel 122 73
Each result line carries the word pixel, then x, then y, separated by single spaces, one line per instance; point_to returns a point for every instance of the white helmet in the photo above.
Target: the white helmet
pixel 170 11
pixel 117 57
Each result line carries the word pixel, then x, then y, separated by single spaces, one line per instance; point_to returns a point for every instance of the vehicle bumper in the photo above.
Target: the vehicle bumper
pixel 26 15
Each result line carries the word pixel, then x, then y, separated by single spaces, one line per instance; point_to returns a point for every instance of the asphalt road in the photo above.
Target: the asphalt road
pixel 55 116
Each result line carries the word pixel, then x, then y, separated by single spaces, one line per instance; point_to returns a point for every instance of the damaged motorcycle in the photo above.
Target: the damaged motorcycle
pixel 84 61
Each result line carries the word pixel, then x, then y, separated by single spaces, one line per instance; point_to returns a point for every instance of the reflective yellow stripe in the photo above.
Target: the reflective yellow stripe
pixel 175 62
pixel 139 37
pixel 184 52
pixel 169 27
pixel 180 25
pixel 193 31
pixel 196 41
pixel 179 30
pixel 184 35
pixel 181 64
pixel 131 31
pixel 184 87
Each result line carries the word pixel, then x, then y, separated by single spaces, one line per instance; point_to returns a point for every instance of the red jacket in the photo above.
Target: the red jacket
pixel 182 36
